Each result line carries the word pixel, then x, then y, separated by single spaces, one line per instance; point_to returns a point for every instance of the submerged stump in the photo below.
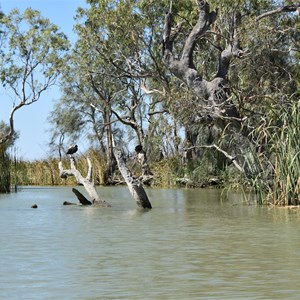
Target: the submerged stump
pixel 87 182
pixel 134 185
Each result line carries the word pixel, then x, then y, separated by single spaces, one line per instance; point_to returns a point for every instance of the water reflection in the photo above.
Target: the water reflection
pixel 190 245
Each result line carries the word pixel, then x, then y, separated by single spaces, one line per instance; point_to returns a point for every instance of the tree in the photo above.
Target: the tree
pixel 31 57
pixel 105 80
pixel 221 35
pixel 32 54
pixel 213 71
pixel 254 45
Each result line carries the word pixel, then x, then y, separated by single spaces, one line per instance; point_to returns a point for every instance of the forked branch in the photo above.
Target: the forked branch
pixel 87 181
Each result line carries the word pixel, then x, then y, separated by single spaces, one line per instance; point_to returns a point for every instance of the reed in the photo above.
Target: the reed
pixel 5 175
pixel 286 148
pixel 166 172
pixel 273 173
pixel 45 172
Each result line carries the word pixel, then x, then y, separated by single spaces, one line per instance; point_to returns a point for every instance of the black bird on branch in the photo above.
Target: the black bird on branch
pixel 72 149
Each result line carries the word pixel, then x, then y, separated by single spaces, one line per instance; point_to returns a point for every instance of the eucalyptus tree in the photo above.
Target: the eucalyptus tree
pixel 109 81
pixel 83 112
pixel 31 57
pixel 209 55
pixel 124 58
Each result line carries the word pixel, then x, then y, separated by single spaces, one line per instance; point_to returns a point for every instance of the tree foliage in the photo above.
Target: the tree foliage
pixel 31 57
pixel 32 54
pixel 243 63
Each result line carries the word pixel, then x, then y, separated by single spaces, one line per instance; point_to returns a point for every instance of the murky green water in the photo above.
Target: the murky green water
pixel 190 245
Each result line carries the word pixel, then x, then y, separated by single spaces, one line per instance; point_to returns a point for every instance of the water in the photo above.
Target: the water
pixel 191 245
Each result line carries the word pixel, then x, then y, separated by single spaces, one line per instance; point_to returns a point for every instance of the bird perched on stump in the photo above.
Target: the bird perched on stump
pixel 72 149
pixel 141 154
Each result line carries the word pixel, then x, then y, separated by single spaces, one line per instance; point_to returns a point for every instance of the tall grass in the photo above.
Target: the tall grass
pixel 166 172
pixel 4 170
pixel 46 172
pixel 286 148
pixel 274 172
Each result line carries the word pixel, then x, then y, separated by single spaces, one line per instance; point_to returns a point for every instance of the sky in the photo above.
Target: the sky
pixel 31 121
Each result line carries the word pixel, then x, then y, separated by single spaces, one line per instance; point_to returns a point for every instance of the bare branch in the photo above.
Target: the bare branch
pixel 283 9
pixel 87 182
pixel 89 176
pixel 149 92
pixel 227 155
pixel 158 112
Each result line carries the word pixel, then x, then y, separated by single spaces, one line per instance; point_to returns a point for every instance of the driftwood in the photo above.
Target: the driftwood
pixel 69 203
pixel 87 182
pixel 134 185
pixel 81 198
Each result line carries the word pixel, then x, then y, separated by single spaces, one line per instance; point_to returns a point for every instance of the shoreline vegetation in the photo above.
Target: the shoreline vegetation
pixel 272 174
pixel 208 93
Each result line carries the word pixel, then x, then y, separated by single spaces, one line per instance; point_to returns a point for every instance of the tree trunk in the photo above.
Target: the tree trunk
pixel 147 175
pixel 134 185
pixel 87 181
pixel 214 107
pixel 111 162
pixel 81 198
pixel 212 95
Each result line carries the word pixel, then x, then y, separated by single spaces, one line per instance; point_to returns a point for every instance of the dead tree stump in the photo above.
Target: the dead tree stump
pixel 134 185
pixel 87 182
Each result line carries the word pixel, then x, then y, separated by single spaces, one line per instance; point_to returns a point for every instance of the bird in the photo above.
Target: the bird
pixel 72 149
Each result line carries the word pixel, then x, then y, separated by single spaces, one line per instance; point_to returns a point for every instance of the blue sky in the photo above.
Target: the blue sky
pixel 31 121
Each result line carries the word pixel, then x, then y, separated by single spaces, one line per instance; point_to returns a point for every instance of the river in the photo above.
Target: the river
pixel 191 245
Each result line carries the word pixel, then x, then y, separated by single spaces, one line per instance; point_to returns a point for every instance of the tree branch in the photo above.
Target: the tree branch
pixel 87 182
pixel 205 19
pixel 149 92
pixel 233 49
pixel 227 155
pixel 283 9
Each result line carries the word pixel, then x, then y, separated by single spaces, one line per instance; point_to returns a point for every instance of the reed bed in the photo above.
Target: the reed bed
pixel 5 175
pixel 274 172
pixel 286 148
pixel 272 167
pixel 46 172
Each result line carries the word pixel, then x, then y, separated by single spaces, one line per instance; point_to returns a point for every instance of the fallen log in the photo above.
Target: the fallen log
pixel 69 203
